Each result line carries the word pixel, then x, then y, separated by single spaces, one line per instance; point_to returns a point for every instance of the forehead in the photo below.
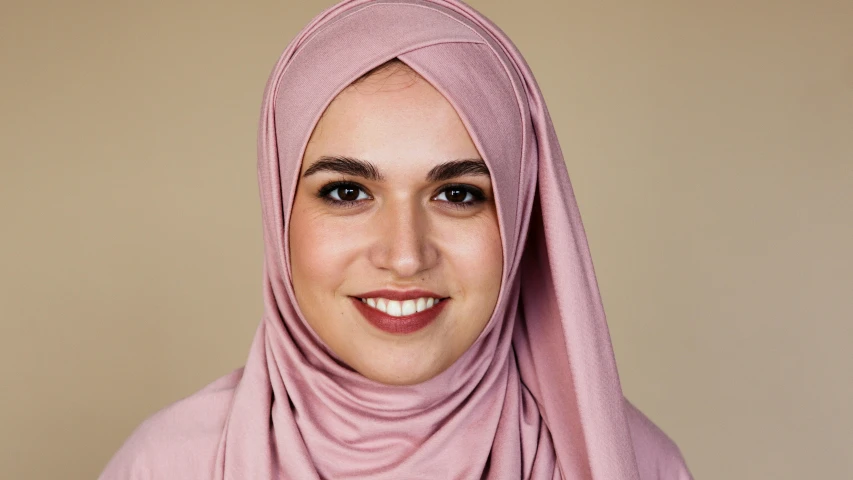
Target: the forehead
pixel 391 117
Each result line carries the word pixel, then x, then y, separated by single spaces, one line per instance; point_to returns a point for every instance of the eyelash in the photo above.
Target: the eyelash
pixel 328 188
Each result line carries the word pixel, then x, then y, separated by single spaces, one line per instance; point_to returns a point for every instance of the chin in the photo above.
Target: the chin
pixel 395 371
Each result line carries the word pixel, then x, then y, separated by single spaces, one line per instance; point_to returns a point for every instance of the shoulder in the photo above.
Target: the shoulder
pixel 658 457
pixel 182 437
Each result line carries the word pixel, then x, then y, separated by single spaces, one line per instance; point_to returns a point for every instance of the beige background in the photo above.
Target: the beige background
pixel 710 144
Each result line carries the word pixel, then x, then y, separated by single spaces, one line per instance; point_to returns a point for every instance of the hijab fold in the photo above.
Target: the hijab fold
pixel 537 395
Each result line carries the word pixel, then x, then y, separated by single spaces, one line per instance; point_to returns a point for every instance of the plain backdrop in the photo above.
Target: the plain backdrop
pixel 710 145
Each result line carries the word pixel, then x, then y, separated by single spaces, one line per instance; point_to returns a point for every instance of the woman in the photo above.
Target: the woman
pixel 431 309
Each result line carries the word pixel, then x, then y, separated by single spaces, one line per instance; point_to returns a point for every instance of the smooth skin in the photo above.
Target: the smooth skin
pixel 398 231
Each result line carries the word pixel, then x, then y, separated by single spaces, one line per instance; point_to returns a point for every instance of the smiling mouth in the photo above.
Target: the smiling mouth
pixel 401 308
pixel 400 317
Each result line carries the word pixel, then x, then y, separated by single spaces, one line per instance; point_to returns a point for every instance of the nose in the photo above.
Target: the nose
pixel 403 244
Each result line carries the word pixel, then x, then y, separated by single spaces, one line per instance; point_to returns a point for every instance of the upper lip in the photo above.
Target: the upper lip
pixel 399 295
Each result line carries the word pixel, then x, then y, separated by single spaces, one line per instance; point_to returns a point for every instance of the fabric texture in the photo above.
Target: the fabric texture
pixel 537 396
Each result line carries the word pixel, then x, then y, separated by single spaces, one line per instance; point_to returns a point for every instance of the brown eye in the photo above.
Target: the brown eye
pixel 342 193
pixel 456 195
pixel 461 196
pixel 347 193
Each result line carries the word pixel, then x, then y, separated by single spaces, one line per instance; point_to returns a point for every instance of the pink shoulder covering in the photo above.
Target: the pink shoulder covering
pixel 658 457
pixel 183 436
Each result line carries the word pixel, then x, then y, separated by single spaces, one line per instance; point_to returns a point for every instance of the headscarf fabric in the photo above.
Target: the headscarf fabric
pixel 536 396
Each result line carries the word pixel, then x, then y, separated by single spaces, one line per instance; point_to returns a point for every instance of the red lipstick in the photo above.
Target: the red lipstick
pixel 399 325
pixel 399 294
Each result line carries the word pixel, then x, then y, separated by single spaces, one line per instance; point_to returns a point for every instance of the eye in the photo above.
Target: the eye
pixel 461 196
pixel 348 193
pixel 456 195
pixel 342 193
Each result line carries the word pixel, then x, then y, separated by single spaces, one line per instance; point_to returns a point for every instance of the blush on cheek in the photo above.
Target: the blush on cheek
pixel 323 250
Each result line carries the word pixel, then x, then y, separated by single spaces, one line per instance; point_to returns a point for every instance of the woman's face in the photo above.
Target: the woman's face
pixel 394 208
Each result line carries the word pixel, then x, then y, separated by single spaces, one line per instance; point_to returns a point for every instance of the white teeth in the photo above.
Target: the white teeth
pixel 409 307
pixel 394 308
pixel 397 308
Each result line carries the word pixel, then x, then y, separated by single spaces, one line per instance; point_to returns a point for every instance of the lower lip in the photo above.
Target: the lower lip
pixel 398 325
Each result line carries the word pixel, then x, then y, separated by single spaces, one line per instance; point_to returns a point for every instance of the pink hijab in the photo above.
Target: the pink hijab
pixel 537 395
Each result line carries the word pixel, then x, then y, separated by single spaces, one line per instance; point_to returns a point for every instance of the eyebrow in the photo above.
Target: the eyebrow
pixel 364 169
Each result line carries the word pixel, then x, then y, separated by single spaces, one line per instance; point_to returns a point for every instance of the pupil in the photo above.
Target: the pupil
pixel 348 193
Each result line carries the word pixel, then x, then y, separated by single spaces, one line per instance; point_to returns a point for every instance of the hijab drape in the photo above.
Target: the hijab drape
pixel 536 396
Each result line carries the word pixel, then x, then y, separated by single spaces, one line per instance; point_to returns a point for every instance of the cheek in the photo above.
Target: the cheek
pixel 491 262
pixel 477 257
pixel 319 254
